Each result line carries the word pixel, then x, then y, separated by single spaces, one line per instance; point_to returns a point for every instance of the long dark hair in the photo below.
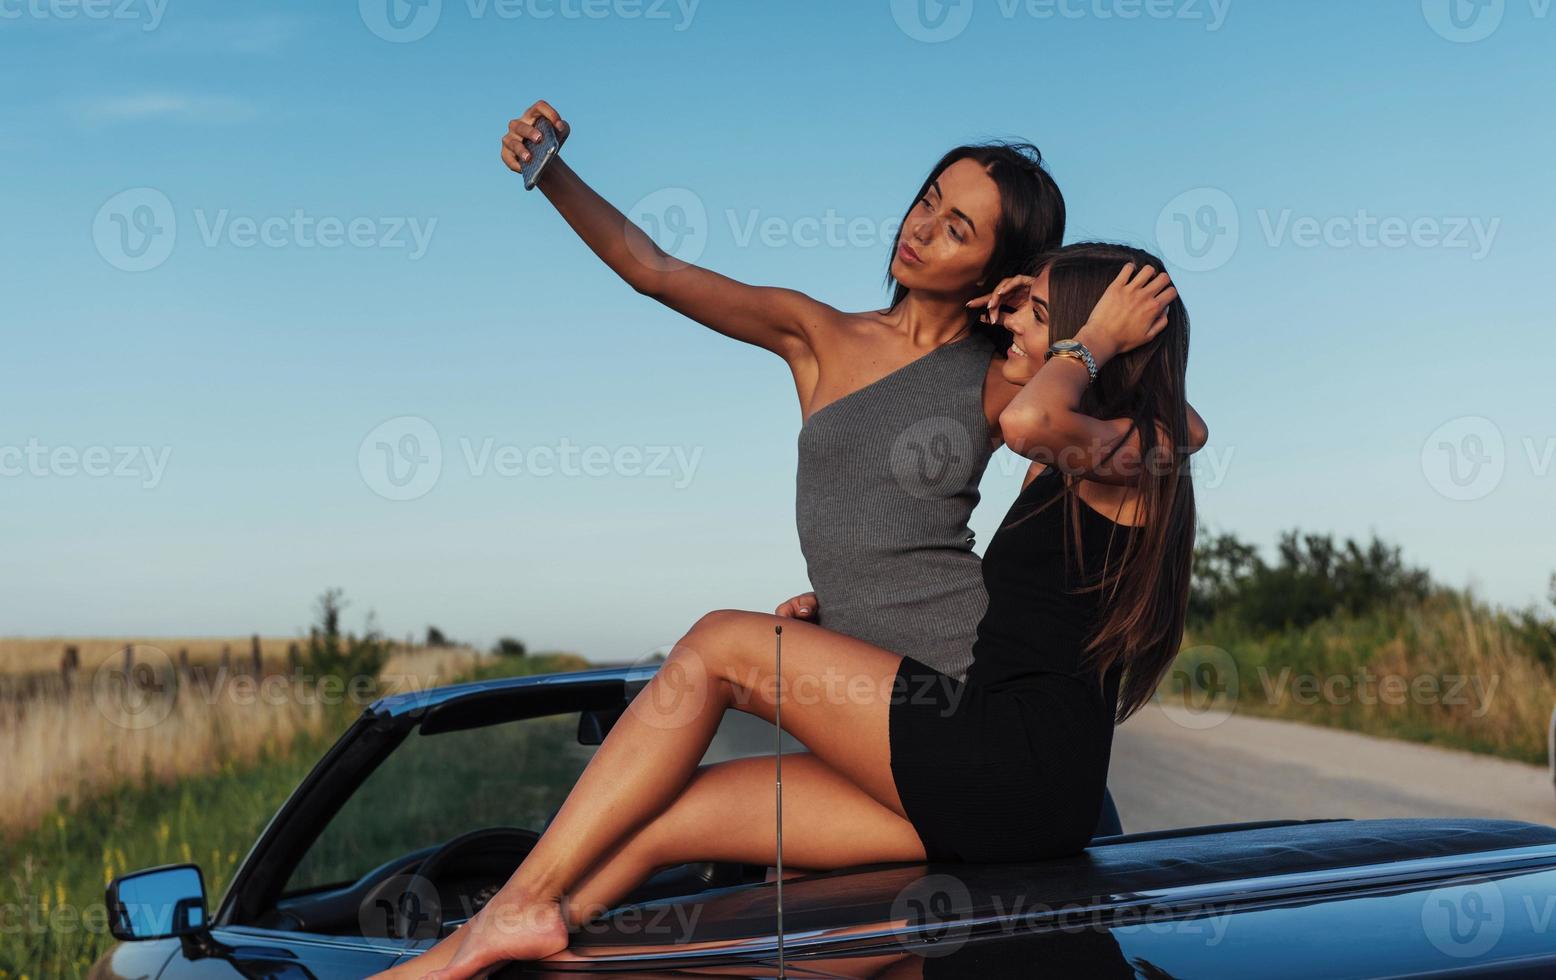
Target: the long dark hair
pixel 1031 220
pixel 1146 591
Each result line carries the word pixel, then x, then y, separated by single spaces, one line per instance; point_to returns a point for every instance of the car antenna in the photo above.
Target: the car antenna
pixel 778 766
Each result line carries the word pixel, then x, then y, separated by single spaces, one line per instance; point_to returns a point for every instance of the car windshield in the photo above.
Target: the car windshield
pixel 435 787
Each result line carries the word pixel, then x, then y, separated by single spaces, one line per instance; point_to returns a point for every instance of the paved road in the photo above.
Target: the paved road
pixel 1165 774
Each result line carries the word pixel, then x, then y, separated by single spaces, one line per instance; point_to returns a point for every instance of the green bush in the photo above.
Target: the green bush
pixel 332 653
pixel 509 647
pixel 1311 579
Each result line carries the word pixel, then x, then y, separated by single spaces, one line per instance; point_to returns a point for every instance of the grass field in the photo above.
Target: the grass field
pixel 1447 671
pixel 68 746
pixel 56 868
pixel 56 873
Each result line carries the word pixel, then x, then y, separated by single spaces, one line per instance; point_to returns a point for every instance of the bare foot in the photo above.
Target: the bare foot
pixel 505 930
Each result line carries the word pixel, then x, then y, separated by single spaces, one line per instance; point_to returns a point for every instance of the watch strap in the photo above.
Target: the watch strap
pixel 1078 351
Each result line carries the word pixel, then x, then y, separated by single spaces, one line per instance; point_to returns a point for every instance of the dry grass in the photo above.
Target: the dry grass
pixel 420 668
pixel 1510 709
pixel 1461 676
pixel 65 749
pixel 51 889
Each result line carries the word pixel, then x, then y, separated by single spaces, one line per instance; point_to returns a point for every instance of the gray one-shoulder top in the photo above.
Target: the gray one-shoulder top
pixel 888 477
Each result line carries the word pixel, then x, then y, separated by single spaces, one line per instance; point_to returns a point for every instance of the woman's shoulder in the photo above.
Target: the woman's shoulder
pixel 844 338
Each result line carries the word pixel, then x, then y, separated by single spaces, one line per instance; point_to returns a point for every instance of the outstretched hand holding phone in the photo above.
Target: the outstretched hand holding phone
pixel 533 140
pixel 780 320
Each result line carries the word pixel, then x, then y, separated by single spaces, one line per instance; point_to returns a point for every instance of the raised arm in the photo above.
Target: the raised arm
pixel 1124 463
pixel 1122 466
pixel 780 320
pixel 1044 420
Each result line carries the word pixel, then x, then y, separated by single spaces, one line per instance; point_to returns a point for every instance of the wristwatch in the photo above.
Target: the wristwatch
pixel 1077 350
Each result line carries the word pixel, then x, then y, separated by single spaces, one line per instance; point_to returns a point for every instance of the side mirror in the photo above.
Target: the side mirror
pixel 158 903
pixel 595 723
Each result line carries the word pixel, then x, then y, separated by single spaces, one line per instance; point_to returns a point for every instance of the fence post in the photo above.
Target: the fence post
pixel 68 665
pixel 256 655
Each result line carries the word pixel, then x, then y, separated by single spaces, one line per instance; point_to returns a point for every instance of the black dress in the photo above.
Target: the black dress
pixel 1011 765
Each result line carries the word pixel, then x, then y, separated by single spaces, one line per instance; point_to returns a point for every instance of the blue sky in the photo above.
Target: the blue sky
pixel 236 240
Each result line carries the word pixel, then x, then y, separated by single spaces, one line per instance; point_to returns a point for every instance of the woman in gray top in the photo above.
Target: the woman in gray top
pixel 901 406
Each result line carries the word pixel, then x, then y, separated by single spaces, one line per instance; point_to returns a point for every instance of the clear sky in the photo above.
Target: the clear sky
pixel 236 240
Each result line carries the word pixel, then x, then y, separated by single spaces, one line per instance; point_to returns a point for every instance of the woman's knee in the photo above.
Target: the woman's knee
pixel 719 639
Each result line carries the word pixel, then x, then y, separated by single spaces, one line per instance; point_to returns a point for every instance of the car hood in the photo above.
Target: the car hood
pixel 1208 869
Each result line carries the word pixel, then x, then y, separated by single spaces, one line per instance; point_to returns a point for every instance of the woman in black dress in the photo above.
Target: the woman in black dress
pixel 1088 587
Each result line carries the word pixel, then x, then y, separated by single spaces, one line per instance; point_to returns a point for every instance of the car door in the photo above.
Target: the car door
pixel 274 955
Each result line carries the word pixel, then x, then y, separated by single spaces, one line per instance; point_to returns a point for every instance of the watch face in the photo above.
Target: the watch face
pixel 1065 344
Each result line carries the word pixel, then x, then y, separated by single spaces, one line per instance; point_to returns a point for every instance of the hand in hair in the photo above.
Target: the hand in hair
pixel 1045 421
pixel 1130 314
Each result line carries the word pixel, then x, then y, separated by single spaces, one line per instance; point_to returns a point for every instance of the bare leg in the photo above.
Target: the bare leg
pixel 726 814
pixel 837 694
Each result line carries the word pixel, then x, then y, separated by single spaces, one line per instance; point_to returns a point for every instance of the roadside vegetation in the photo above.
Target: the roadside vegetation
pixel 1348 634
pixel 167 762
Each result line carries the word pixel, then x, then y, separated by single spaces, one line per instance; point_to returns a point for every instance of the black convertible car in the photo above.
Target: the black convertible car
pixel 430 800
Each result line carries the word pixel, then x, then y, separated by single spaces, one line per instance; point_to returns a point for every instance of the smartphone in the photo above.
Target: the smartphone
pixel 541 153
